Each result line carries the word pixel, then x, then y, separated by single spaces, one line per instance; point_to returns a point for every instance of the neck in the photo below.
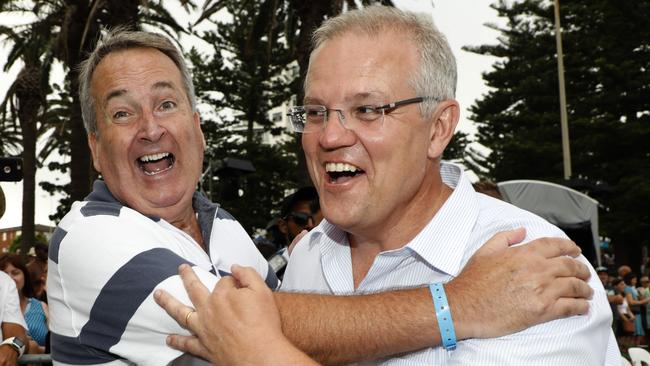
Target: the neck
pixel 399 229
pixel 189 223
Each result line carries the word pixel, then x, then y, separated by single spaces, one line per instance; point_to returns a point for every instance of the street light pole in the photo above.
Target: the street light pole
pixel 566 151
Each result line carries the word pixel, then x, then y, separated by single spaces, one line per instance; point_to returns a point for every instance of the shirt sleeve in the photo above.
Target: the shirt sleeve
pixel 102 275
pixel 10 312
pixel 578 340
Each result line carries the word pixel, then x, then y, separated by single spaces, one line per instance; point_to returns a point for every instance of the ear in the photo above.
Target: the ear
pixel 94 150
pixel 197 121
pixel 445 119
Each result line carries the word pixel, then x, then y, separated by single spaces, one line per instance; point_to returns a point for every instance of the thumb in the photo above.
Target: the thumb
pixel 502 240
pixel 247 277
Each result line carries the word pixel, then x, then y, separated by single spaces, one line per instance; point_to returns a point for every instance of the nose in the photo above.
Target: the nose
pixel 334 133
pixel 150 129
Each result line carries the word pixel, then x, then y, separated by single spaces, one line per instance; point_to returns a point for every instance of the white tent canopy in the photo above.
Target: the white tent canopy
pixel 560 205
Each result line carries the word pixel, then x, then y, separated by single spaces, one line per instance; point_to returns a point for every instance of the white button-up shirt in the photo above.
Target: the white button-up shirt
pixel 321 262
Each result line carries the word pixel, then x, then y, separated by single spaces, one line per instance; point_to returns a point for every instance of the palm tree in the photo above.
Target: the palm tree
pixel 25 101
pixel 72 28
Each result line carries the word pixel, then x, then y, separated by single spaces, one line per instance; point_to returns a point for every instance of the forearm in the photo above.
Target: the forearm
pixel 15 330
pixel 344 329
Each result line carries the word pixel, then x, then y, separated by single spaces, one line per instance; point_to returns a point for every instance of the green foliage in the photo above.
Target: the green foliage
pixel 606 60
pixel 249 73
pixel 16 244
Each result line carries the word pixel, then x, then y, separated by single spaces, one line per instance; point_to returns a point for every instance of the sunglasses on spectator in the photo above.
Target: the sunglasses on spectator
pixel 300 218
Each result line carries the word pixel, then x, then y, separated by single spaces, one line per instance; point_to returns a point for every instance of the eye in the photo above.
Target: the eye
pixel 367 113
pixel 366 109
pixel 167 105
pixel 314 113
pixel 120 115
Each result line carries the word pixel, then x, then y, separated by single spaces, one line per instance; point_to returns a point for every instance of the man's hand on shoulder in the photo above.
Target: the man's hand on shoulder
pixel 505 289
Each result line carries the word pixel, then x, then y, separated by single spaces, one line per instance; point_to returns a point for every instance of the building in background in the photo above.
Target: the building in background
pixel 8 235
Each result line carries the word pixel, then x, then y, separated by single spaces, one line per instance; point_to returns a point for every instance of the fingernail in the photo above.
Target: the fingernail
pixel 156 294
pixel 168 340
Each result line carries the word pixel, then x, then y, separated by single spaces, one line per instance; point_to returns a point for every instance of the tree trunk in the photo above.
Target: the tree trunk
pixel 81 171
pixel 29 98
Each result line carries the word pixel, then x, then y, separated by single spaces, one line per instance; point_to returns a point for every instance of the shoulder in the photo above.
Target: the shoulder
pixel 496 215
pixel 5 278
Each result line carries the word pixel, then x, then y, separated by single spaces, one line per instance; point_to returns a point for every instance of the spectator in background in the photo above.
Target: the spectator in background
pixel 623 270
pixel 37 267
pixel 644 293
pixel 34 310
pixel 297 213
pixel 635 303
pixel 615 299
pixel 300 211
pixel 624 314
pixel 38 273
pixel 12 324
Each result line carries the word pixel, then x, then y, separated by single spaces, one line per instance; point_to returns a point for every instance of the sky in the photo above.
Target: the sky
pixel 462 21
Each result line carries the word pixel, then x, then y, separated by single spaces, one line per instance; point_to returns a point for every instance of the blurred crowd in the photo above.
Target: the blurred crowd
pixel 30 276
pixel 629 297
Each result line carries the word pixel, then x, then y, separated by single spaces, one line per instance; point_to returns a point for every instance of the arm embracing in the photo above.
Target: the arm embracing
pixel 542 283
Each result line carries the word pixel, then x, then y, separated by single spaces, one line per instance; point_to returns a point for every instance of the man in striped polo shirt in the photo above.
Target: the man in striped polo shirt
pixel 379 111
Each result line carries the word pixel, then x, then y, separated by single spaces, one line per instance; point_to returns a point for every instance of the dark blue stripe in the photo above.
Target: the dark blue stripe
pixel 271 279
pixel 94 208
pixel 69 350
pixel 101 193
pixel 224 273
pixel 55 243
pixel 124 293
pixel 225 215
pixel 153 218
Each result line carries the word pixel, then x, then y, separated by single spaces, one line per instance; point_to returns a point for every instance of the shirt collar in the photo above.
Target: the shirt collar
pixel 443 241
pixel 203 207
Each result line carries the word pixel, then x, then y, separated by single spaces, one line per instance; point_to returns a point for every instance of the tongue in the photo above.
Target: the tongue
pixel 156 166
pixel 342 178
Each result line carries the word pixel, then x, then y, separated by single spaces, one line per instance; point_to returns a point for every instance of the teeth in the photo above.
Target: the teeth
pixel 154 157
pixel 340 167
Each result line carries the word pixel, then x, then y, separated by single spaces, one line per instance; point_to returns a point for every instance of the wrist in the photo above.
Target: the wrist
pixel 463 327
pixel 444 316
pixel 16 344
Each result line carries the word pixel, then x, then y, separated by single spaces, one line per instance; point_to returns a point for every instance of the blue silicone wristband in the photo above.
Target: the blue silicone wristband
pixel 443 313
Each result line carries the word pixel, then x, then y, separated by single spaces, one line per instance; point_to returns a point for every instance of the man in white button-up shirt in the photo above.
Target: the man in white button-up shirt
pixel 395 216
pixel 377 116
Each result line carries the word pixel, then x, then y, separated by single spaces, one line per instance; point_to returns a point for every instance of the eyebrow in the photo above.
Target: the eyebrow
pixel 357 96
pixel 114 94
pixel 163 85
pixel 157 86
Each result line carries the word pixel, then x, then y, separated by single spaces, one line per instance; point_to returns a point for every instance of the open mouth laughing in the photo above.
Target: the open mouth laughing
pixel 338 173
pixel 153 164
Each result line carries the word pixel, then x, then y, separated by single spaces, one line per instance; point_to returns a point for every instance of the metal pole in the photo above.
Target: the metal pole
pixel 566 151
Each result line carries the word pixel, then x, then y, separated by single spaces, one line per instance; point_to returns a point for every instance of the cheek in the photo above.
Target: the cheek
pixel 310 148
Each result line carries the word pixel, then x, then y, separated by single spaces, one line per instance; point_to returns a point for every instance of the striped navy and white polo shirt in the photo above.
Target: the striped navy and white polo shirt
pixel 106 260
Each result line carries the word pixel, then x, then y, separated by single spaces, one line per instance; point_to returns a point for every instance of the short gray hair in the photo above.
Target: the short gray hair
pixel 121 39
pixel 437 74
